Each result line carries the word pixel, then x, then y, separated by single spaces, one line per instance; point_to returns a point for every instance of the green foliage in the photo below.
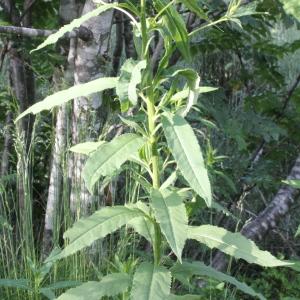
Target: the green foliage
pixel 185 271
pixel 86 148
pixel 171 215
pixel 109 285
pixel 233 244
pixel 64 96
pixel 185 149
pixel 110 156
pixel 151 282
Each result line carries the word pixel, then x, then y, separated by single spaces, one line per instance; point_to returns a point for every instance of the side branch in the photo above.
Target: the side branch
pixel 82 32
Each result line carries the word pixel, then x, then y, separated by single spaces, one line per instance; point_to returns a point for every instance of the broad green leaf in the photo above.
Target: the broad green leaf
pixel 188 270
pixel 53 38
pixel 16 283
pixel 174 23
pixel 193 81
pixel 193 6
pixel 151 283
pixel 109 157
pixel 87 147
pixel 87 230
pixel 185 93
pixel 129 78
pixel 295 183
pixel 171 215
pixel 110 285
pixel 187 153
pixel 184 297
pixel 64 96
pixel 233 244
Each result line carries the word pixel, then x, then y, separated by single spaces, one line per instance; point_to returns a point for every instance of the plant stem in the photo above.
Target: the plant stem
pixel 151 126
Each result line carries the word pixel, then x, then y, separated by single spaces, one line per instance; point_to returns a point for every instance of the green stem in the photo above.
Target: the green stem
pixel 151 126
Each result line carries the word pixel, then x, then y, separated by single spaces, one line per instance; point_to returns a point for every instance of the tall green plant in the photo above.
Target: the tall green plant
pixel 161 138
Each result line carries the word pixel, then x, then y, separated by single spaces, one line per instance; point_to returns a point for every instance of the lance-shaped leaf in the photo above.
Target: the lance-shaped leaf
pixel 110 285
pixel 151 283
pixel 187 153
pixel 184 297
pixel 175 25
pixel 295 183
pixel 87 230
pixel 53 38
pixel 187 270
pixel 87 147
pixel 109 157
pixel 233 244
pixel 64 96
pixel 15 283
pixel 185 93
pixel 129 78
pixel 171 215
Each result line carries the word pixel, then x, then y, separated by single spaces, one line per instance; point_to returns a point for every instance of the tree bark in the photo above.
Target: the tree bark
pixel 91 62
pixel 269 217
pixel 68 10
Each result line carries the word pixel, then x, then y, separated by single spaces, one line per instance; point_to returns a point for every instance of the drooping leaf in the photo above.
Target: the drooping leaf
pixel 129 78
pixel 16 283
pixel 86 148
pixel 193 6
pixel 87 230
pixel 185 93
pixel 109 157
pixel 151 283
pixel 293 183
pixel 110 285
pixel 64 96
pixel 233 244
pixel 187 153
pixel 174 23
pixel 188 270
pixel 171 215
pixel 53 38
pixel 144 227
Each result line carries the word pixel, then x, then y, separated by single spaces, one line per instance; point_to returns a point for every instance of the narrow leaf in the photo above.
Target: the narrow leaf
pixel 295 183
pixel 16 283
pixel 187 153
pixel 151 283
pixel 87 230
pixel 176 27
pixel 200 269
pixel 109 157
pixel 64 96
pixel 233 244
pixel 171 215
pixel 110 285
pixel 86 148
pixel 53 38
pixel 193 6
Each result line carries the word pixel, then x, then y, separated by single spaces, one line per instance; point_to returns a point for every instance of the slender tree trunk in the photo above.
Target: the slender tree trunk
pixel 269 217
pixel 68 11
pixel 90 63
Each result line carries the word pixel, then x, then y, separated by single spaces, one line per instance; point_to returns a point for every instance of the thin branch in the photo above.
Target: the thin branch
pixel 82 32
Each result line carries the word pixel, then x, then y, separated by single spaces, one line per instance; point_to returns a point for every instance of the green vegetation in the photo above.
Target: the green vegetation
pixel 156 169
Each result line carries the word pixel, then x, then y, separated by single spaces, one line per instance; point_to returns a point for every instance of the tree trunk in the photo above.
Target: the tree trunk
pixel 269 217
pixel 68 11
pixel 90 63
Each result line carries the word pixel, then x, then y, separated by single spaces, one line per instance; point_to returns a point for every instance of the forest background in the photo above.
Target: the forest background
pixel 246 120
